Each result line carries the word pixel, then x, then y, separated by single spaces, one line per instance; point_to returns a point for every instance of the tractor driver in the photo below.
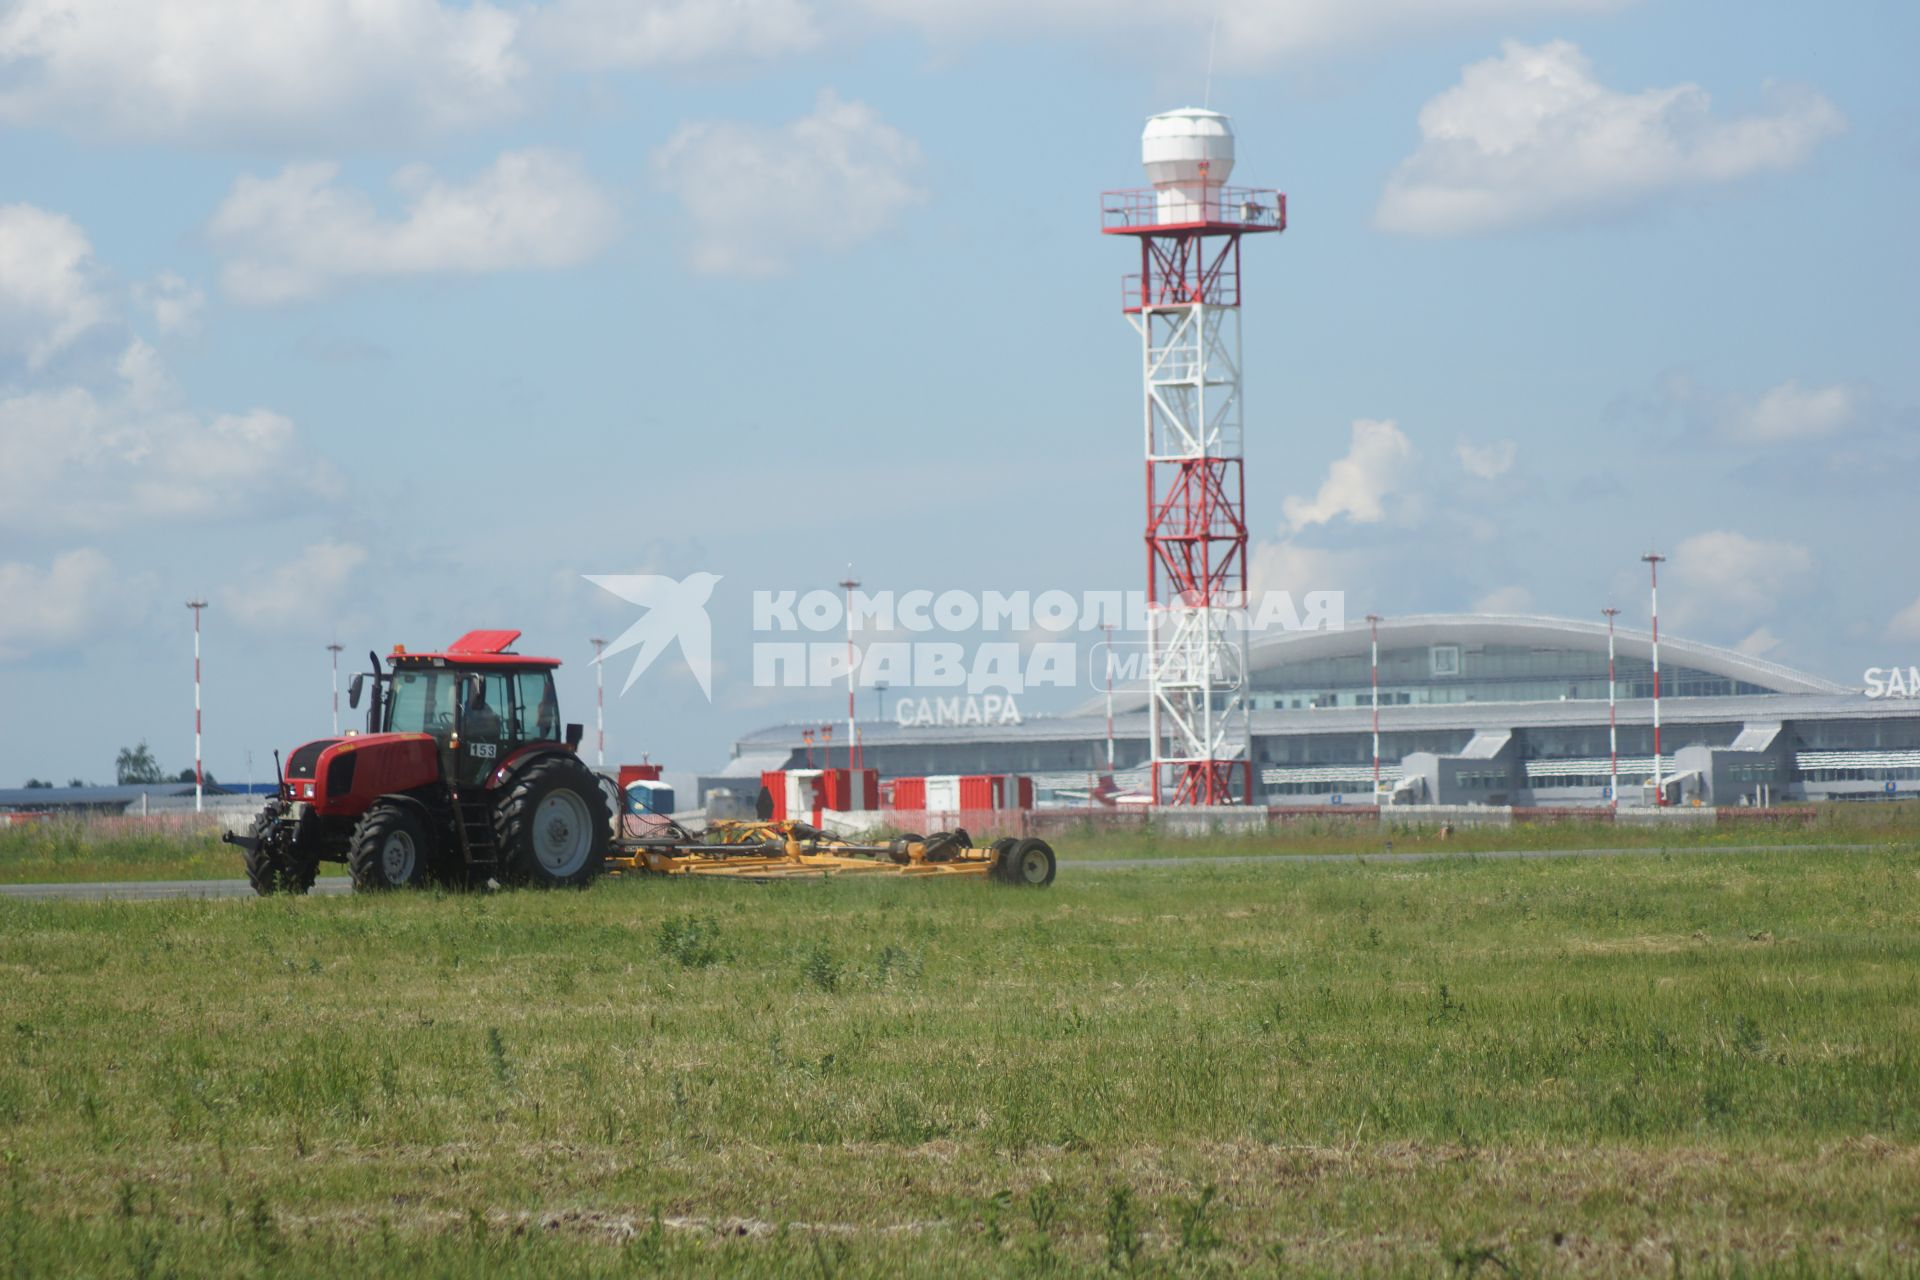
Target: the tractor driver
pixel 481 722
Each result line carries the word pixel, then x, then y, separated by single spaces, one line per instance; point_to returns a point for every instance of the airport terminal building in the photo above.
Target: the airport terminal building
pixel 1498 710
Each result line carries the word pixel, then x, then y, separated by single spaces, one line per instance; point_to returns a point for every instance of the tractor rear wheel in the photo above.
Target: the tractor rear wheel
pixel 391 848
pixel 272 866
pixel 1029 864
pixel 552 824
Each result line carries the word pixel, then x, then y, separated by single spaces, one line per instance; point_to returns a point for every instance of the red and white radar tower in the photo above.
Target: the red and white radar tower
pixel 1185 304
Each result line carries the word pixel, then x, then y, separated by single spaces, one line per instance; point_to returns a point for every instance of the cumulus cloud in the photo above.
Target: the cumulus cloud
pixel 758 196
pixel 1505 600
pixel 1906 623
pixel 607 34
pixel 1533 137
pixel 240 71
pixel 1729 579
pixel 303 592
pixel 1759 642
pixel 174 304
pixel 1285 564
pixel 1357 485
pixel 47 292
pixel 1788 413
pixel 1252 33
pixel 298 234
pixel 70 600
pixel 1486 461
pixel 130 454
pixel 1784 414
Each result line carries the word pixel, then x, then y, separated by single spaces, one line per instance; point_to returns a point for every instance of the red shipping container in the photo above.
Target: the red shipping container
pixel 630 773
pixel 981 791
pixel 909 793
pixel 1023 798
pixel 846 791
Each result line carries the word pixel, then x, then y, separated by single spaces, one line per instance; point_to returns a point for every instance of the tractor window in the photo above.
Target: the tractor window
pixel 421 702
pixel 537 711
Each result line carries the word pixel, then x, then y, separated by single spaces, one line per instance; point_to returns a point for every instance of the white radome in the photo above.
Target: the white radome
pixel 1185 153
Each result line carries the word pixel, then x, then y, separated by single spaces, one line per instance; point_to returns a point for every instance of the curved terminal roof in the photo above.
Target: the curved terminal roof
pixel 1269 651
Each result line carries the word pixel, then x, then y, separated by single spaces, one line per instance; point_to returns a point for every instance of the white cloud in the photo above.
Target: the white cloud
pixel 1505 600
pixel 241 71
pixel 1252 33
pixel 1786 413
pixel 759 196
pixel 1487 461
pixel 298 234
pixel 305 591
pixel 1906 623
pixel 1729 579
pixel 605 34
pixel 68 601
pixel 47 294
pixel 174 303
pixel 72 458
pixel 1285 565
pixel 1759 642
pixel 1358 484
pixel 1532 137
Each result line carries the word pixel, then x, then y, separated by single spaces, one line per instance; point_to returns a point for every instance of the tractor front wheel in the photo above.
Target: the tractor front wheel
pixel 553 825
pixel 272 866
pixel 391 848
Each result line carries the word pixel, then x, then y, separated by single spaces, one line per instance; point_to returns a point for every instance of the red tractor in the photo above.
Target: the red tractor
pixel 462 776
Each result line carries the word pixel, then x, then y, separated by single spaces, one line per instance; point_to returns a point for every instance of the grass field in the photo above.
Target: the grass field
pixel 68 851
pixel 1698 1063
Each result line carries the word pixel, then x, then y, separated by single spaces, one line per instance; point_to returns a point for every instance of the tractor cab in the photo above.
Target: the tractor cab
pixel 482 703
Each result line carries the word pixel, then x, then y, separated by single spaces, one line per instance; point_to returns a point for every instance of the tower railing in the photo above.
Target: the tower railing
pixel 1141 210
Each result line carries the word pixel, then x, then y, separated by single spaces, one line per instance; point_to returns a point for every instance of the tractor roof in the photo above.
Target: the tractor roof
pixel 475 649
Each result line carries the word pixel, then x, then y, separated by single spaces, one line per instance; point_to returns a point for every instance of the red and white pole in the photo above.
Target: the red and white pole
pixel 334 649
pixel 199 774
pixel 599 703
pixel 1108 628
pixel 1653 559
pixel 1613 719
pixel 1373 630
pixel 847 585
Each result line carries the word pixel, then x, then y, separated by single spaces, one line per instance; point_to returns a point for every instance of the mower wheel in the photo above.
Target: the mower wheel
pixel 1032 866
pixel 392 848
pixel 552 824
pixel 1003 859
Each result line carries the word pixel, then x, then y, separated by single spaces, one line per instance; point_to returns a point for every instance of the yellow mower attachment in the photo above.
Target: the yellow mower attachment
pixel 785 850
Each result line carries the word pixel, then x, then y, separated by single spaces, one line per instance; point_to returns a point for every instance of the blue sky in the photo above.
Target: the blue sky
pixel 383 322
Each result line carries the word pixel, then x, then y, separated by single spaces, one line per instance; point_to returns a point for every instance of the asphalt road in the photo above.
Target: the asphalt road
pixel 148 890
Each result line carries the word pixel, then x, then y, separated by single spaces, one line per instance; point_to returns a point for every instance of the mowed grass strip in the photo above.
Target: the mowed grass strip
pixel 1641 1064
pixel 71 850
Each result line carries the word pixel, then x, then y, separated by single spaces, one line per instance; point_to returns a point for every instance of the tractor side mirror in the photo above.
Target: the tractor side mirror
pixel 575 732
pixel 354 688
pixel 763 805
